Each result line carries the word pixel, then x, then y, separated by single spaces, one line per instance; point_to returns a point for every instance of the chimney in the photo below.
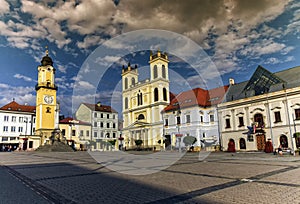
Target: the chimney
pixel 231 81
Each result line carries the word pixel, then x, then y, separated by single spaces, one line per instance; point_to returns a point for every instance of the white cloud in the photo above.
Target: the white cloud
pixel 4 7
pixel 89 41
pixel 25 78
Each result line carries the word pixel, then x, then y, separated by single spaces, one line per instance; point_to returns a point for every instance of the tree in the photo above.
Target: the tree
pixel 138 143
pixel 189 140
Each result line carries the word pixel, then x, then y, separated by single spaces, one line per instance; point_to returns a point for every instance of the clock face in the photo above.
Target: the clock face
pixel 48 99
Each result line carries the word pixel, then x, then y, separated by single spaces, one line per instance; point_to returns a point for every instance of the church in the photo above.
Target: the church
pixel 143 102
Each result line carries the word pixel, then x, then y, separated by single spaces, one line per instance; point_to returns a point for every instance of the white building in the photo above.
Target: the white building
pixel 193 113
pixel 17 123
pixel 103 119
pixel 265 108
pixel 143 102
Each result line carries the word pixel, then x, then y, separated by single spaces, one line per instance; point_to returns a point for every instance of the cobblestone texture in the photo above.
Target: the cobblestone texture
pixel 221 178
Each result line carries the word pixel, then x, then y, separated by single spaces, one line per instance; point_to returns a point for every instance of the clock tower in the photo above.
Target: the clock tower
pixel 46 100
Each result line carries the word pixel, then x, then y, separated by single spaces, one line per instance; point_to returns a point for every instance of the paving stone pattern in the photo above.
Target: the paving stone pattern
pixel 74 177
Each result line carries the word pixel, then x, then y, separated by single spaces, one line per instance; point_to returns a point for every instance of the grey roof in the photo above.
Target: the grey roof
pixel 288 78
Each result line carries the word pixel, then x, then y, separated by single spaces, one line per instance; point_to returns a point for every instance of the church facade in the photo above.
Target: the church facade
pixel 143 102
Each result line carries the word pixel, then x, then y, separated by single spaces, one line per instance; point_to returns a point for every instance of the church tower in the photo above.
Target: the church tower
pixel 143 102
pixel 46 100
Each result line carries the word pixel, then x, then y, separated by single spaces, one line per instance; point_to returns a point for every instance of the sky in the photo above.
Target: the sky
pixel 85 39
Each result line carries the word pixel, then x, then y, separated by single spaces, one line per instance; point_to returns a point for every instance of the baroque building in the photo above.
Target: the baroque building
pixel 264 109
pixel 143 102
pixel 193 113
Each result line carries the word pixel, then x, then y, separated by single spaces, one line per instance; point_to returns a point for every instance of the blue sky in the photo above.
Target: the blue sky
pixel 236 35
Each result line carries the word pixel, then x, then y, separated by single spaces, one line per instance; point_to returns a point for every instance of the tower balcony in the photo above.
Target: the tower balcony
pixel 46 86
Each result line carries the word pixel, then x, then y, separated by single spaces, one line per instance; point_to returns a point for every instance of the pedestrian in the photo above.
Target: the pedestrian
pixel 280 150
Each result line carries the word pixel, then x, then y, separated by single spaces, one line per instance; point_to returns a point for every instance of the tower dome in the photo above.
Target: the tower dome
pixel 46 60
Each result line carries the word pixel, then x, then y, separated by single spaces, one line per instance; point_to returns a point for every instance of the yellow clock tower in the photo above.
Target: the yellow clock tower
pixel 46 100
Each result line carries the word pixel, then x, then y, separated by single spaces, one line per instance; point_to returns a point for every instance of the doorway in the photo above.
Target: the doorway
pixel 284 141
pixel 261 142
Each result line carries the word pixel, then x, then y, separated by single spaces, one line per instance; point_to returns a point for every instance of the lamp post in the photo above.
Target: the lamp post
pixel 178 122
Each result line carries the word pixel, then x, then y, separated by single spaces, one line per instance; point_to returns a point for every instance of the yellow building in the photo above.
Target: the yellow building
pixel 143 103
pixel 77 133
pixel 46 106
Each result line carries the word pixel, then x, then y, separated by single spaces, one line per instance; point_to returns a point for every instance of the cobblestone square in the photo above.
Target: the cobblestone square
pixel 58 177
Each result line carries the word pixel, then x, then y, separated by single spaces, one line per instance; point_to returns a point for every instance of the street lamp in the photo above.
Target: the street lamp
pixel 178 122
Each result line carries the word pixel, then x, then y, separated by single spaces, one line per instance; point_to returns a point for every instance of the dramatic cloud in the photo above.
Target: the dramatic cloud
pixel 4 7
pixel 25 78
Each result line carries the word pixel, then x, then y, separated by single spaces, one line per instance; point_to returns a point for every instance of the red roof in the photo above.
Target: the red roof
pixel 102 108
pixel 14 106
pixel 197 96
pixel 70 120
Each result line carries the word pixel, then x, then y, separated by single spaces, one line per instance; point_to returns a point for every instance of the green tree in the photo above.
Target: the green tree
pixel 189 140
pixel 138 142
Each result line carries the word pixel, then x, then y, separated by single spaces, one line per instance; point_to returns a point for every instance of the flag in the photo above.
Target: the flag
pixel 254 128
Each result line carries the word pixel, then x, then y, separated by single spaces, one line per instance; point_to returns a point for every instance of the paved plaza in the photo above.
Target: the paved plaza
pixel 57 177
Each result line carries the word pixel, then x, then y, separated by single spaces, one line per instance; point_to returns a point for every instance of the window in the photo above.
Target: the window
pixel 73 132
pixel 114 125
pixel 165 94
pixel 155 72
pixel 178 120
pixel 132 81
pixel 297 114
pixel 211 118
pixel 241 121
pixel 201 118
pixel 166 122
pixel 126 103
pixel 4 138
pixel 5 128
pixel 155 94
pixel 141 117
pixel 20 129
pixel 163 71
pixel 30 144
pixel 277 116
pixel 87 133
pixel 258 118
pixel 21 120
pixel 114 135
pixel 107 125
pixel 95 115
pixel 107 115
pixel 101 115
pixel 102 134
pixel 13 119
pixel 188 119
pixel 227 121
pixel 95 124
pixel 203 135
pixel 13 129
pixel 6 118
pixel 101 124
pixel 81 132
pixel 126 83
pixel 114 116
pixel 107 135
pixel 140 98
pixel 95 134
pixel 63 132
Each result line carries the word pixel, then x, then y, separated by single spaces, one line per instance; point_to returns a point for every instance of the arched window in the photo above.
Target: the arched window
pixel 126 103
pixel 163 71
pixel 258 118
pixel 126 83
pixel 284 141
pixel 132 81
pixel 155 72
pixel 155 94
pixel 242 143
pixel 165 94
pixel 141 117
pixel 140 98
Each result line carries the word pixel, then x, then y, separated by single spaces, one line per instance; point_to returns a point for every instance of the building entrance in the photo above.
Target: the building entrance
pixel 261 142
